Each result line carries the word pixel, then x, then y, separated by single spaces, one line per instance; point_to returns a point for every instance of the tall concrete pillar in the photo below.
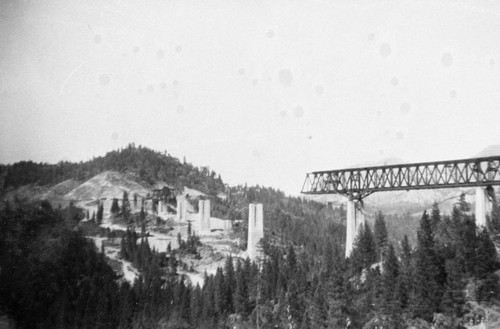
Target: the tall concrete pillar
pixel 355 218
pixel 204 215
pixel 350 227
pixel 181 210
pixel 184 210
pixel 207 213
pixel 228 225
pixel 160 206
pixel 259 219
pixel 360 216
pixel 481 203
pixel 255 228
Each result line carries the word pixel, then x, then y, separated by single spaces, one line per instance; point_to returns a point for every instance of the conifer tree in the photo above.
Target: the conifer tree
pixel 404 285
pixel 364 250
pixel 115 209
pixel 426 295
pixel 389 280
pixel 467 244
pixel 463 205
pixel 219 292
pixel 229 283
pixel 338 302
pixel 241 292
pixel 319 308
pixel 125 209
pixel 100 212
pixel 486 260
pixel 380 233
pixel 453 296
pixel 196 305
pixel 435 217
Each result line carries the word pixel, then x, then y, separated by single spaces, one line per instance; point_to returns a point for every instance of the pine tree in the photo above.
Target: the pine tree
pixel 389 279
pixel 486 260
pixel 364 250
pixel 196 306
pixel 115 209
pixel 328 259
pixel 426 295
pixel 240 296
pixel 319 308
pixel 453 296
pixel 467 245
pixel 125 207
pixel 100 212
pixel 435 217
pixel 380 233
pixel 463 205
pixel 338 301
pixel 404 284
pixel 229 283
pixel 219 293
pixel 291 262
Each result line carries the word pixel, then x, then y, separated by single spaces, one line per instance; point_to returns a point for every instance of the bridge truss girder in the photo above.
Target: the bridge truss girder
pixel 357 183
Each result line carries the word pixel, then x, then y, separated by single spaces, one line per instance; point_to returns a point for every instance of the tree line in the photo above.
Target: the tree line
pixel 149 166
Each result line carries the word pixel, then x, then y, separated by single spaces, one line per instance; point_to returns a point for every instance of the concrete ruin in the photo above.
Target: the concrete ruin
pixel 255 228
pixel 355 217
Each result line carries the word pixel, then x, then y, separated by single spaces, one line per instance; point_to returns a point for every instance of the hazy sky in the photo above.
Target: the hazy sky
pixel 262 91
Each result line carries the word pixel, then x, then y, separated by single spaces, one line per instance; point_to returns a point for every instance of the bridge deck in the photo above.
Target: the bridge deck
pixel 360 182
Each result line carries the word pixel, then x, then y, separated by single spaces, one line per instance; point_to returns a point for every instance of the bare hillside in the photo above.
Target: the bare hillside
pixel 108 184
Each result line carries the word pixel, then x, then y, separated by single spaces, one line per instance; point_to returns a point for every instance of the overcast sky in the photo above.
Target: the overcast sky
pixel 261 91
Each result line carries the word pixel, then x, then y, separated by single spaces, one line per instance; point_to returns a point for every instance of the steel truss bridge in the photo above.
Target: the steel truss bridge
pixel 357 183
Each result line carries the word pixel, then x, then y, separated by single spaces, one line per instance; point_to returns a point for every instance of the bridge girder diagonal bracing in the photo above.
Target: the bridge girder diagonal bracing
pixel 357 183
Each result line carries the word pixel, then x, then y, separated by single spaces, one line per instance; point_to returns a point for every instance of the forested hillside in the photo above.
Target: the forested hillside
pixel 150 166
pixel 51 277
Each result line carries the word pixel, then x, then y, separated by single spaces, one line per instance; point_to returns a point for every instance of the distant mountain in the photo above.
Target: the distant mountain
pixel 489 151
pixel 384 162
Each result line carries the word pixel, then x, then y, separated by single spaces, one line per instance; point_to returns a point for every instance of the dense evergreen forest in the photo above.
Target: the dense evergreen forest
pixel 51 276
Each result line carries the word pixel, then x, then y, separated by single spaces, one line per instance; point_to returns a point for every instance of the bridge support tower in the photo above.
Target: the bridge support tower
pixel 485 201
pixel 181 210
pixel 204 215
pixel 355 217
pixel 255 228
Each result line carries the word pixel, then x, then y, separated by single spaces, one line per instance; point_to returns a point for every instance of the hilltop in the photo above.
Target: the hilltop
pixel 136 171
pixel 140 164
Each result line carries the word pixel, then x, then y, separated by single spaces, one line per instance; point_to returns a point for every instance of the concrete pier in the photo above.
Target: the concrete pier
pixel 255 228
pixel 355 217
pixel 204 216
pixel 181 210
pixel 481 206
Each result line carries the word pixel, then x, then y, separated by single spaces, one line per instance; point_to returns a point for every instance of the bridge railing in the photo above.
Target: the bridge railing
pixel 426 175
